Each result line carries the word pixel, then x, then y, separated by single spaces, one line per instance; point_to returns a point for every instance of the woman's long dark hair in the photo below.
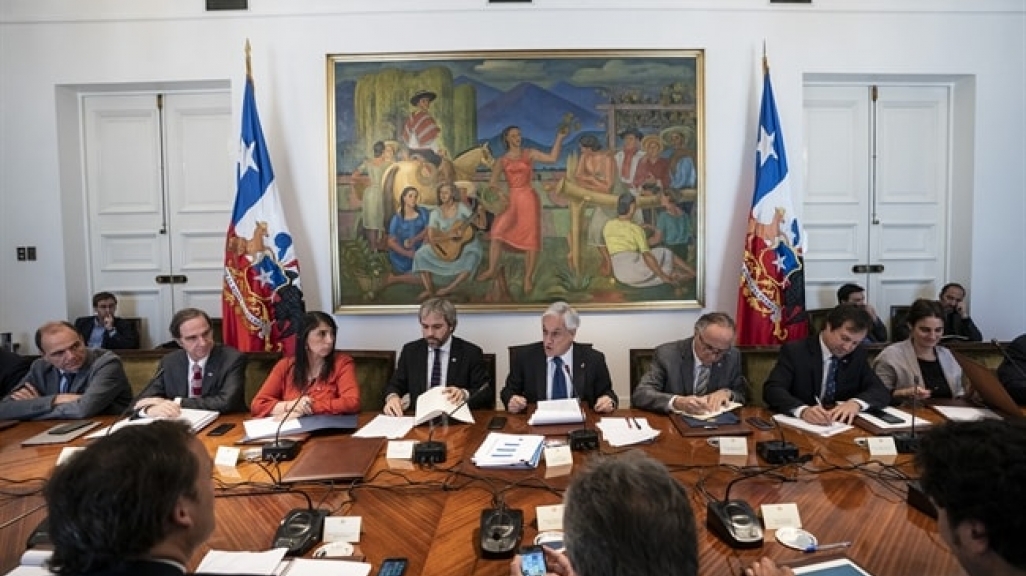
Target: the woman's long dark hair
pixel 311 320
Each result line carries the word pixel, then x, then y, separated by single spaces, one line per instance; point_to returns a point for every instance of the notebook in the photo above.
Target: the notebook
pixel 335 458
pixel 725 424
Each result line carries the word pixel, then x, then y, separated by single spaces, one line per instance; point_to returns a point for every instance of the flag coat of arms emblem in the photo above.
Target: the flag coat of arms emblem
pixel 771 296
pixel 262 303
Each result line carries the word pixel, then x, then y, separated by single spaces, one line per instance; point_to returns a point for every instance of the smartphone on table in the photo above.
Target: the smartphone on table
pixel 221 429
pixel 497 423
pixel 532 561
pixel 393 567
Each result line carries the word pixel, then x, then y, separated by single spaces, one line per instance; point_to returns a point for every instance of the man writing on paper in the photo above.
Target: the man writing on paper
pixel 557 367
pixel 140 501
pixel 439 359
pixel 695 375
pixel 70 381
pixel 202 375
pixel 974 473
pixel 826 378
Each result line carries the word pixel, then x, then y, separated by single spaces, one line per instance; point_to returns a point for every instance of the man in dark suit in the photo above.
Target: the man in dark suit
pixel 956 317
pixel 104 329
pixel 69 381
pixel 439 359
pixel 201 375
pixel 557 367
pixel 139 501
pixel 826 377
pixel 708 357
pixel 856 295
pixel 13 368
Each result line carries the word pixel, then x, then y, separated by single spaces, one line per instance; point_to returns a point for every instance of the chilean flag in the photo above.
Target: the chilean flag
pixel 771 296
pixel 262 303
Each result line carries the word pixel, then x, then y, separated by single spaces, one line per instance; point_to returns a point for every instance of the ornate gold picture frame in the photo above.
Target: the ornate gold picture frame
pixel 502 180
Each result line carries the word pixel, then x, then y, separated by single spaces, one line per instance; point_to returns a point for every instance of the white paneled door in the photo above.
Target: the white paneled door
pixel 877 191
pixel 159 193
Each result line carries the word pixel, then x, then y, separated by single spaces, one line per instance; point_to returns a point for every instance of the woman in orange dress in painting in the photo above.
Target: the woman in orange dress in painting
pixel 519 226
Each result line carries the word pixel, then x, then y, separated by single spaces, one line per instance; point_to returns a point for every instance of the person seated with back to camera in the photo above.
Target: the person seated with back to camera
pixel 317 380
pixel 461 369
pixel 826 377
pixel 918 367
pixel 557 367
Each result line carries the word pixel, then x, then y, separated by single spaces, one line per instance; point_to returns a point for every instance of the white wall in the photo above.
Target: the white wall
pixel 48 43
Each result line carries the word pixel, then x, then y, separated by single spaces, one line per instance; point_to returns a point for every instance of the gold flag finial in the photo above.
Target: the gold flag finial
pixel 249 67
pixel 765 60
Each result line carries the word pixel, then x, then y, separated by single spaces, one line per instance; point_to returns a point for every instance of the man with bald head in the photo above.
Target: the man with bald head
pixel 69 381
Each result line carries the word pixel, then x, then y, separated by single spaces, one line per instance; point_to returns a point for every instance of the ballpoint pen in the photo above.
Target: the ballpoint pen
pixel 636 424
pixel 818 547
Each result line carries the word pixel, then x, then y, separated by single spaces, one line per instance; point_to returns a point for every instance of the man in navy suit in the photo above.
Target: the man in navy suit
pixel 439 359
pixel 557 367
pixel 827 378
pixel 202 375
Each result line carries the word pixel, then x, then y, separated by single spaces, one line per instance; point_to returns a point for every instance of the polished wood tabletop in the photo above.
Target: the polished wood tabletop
pixel 431 515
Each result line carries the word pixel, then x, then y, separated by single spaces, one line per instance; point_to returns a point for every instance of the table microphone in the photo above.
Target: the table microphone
pixel 281 450
pixel 131 413
pixel 433 451
pixel 908 442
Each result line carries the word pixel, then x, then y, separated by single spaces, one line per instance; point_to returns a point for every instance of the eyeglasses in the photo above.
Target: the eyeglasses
pixel 710 349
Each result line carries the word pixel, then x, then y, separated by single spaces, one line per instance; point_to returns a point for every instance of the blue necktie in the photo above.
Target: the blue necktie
pixel 558 380
pixel 831 382
pixel 436 368
pixel 66 379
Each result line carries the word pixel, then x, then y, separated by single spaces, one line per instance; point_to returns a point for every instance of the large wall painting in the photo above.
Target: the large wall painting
pixel 506 180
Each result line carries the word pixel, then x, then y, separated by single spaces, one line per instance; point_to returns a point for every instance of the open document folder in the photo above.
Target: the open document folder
pixel 509 451
pixel 434 403
pixel 196 419
pixel 565 411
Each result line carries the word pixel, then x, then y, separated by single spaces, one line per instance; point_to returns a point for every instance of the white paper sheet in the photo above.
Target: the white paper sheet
pixel 824 431
pixel 383 426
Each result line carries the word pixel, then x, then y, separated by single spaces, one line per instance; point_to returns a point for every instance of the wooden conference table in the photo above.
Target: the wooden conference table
pixel 431 516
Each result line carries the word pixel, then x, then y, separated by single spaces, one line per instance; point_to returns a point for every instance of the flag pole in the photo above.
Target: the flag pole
pixel 249 67
pixel 765 60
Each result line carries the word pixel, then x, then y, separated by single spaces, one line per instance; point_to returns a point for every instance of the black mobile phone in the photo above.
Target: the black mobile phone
pixel 69 427
pixel 497 423
pixel 221 429
pixel 392 567
pixel 885 416
pixel 532 561
pixel 759 423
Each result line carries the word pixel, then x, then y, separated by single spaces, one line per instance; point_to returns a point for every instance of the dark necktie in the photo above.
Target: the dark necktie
pixel 558 380
pixel 436 368
pixel 702 383
pixel 196 382
pixel 67 378
pixel 831 382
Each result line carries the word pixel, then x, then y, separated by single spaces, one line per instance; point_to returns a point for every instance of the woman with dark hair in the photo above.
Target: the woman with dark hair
pixel 317 380
pixel 406 231
pixel 918 366
pixel 519 226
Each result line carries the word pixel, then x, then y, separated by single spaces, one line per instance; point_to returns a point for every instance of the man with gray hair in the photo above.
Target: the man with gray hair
pixel 694 375
pixel 439 359
pixel 557 367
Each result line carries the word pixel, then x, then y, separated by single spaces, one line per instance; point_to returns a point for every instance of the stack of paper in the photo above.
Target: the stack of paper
pixel 270 427
pixel 565 411
pixel 965 413
pixel 434 403
pixel 825 431
pixel 626 431
pixel 195 418
pixel 509 451
pixel 714 413
pixel 383 426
